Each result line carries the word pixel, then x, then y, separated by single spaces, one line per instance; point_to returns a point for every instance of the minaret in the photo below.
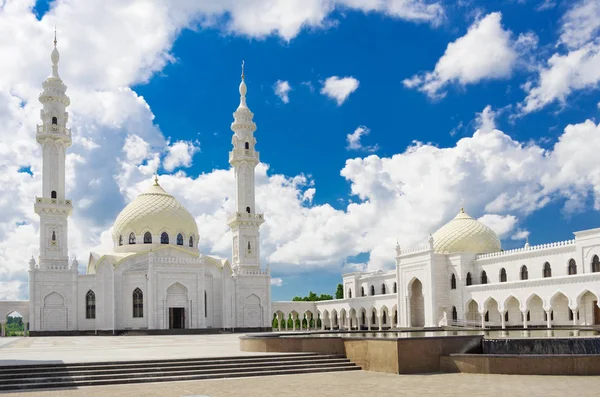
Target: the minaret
pixel 244 223
pixel 54 137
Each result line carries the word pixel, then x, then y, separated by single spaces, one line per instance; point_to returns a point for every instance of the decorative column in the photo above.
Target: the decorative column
pixel 482 315
pixel 524 313
pixel 502 319
pixel 548 318
pixel 369 323
pixel 380 322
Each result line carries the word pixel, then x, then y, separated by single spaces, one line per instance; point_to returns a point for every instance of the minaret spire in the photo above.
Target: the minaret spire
pixel 55 57
pixel 244 159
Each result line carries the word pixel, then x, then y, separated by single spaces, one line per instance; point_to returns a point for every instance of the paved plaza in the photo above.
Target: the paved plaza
pixel 346 384
pixel 72 349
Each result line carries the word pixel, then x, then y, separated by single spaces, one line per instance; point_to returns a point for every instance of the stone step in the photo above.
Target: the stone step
pixel 232 374
pixel 50 376
pixel 96 364
pixel 19 369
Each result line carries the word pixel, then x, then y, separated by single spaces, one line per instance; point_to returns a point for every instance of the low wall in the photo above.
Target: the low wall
pixel 393 355
pixel 588 364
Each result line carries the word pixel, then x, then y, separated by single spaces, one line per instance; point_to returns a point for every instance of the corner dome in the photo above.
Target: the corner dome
pixel 154 211
pixel 465 234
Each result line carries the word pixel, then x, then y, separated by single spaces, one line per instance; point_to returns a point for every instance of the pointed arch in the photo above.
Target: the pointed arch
pixel 372 290
pixel 453 281
pixel 132 238
pixel 164 238
pixel 454 314
pixel 179 239
pixel 524 273
pixel 595 264
pixel 484 279
pixel 191 242
pixel 147 238
pixel 572 267
pixel 469 280
pixel 547 271
pixel 395 287
pixel 90 305
pixel 582 293
pixel 362 291
pixel 503 275
pixel 138 303
pixel 383 291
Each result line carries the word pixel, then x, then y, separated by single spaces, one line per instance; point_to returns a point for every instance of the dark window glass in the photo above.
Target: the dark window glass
pixel 547 270
pixel 138 303
pixel 164 238
pixel 469 280
pixel 572 267
pixel 179 239
pixel 147 238
pixel 90 305
pixel 483 277
pixel 502 275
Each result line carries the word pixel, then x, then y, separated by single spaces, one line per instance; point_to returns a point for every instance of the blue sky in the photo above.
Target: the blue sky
pixel 184 89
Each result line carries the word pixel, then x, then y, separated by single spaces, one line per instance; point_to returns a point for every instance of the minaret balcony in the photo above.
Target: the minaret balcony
pixel 244 155
pixel 53 131
pixel 244 217
pixel 43 204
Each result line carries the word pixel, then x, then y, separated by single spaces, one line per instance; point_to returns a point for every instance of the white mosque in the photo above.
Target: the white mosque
pixel 155 278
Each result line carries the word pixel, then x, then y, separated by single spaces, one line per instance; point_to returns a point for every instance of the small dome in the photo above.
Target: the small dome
pixel 154 211
pixel 465 234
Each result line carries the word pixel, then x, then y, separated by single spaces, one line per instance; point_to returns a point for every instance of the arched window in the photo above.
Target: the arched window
pixel 179 239
pixel 469 280
pixel 364 320
pixel 454 314
pixel 483 277
pixel 205 305
pixel 362 291
pixel 528 316
pixel 53 235
pixel 248 209
pixel 121 240
pixel 487 316
pixel 349 293
pixel 453 281
pixel 383 289
pixel 147 238
pixel 54 121
pixel 395 288
pixel 164 238
pixel 384 318
pixel 547 270
pixel 524 273
pixel 373 317
pixel 53 194
pixel 595 264
pixel 572 266
pixel 372 290
pixel 138 303
pixel 246 146
pixel 90 305
pixel 249 247
pixel 503 275
pixel 191 241
pixel 132 238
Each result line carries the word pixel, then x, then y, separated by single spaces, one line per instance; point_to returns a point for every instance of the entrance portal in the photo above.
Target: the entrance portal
pixel 176 318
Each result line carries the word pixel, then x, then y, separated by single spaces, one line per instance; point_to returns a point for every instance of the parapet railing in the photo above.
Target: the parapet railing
pixel 540 247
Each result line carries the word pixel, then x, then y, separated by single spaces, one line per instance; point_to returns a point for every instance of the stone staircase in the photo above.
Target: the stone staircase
pixel 49 376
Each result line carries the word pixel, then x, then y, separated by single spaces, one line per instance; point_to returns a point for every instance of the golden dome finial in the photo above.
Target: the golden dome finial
pixel 242 69
pixel 55 37
pixel 156 180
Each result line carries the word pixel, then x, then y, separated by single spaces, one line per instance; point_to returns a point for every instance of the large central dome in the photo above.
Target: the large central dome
pixel 151 217
pixel 465 234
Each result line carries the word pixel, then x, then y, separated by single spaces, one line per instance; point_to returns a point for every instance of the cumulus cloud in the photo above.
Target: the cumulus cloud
pixel 520 234
pixel 339 89
pixel 282 89
pixel 180 154
pixel 576 63
pixel 486 120
pixel 503 225
pixel 354 143
pixel 486 51
pixel 277 281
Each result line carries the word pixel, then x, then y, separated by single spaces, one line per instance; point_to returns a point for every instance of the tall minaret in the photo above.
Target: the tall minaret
pixel 244 223
pixel 55 138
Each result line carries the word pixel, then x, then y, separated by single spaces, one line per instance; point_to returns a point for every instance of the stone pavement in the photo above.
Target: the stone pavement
pixel 70 349
pixel 348 384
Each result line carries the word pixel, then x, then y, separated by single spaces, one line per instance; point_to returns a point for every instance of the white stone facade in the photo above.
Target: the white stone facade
pixel 549 285
pixel 154 278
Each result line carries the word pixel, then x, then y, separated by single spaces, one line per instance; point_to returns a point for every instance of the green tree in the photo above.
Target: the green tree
pixel 312 297
pixel 339 292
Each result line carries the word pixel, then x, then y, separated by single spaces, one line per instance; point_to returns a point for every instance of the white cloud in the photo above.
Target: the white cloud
pixel 354 142
pixel 180 154
pixel 577 68
pixel 521 234
pixel 501 224
pixel 339 89
pixel 486 51
pixel 282 89
pixel 546 5
pixel 277 281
